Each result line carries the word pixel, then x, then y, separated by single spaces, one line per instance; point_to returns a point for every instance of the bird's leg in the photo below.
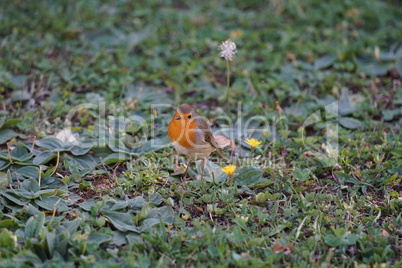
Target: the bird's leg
pixel 188 165
pixel 202 168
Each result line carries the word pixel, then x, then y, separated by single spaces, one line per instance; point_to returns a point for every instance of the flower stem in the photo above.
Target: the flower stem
pixel 57 164
pixel 227 83
pixel 251 153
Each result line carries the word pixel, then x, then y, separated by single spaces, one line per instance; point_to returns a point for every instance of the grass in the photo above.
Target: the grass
pixel 87 177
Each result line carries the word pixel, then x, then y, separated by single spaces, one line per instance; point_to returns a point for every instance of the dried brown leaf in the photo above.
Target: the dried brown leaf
pixel 286 249
pixel 223 142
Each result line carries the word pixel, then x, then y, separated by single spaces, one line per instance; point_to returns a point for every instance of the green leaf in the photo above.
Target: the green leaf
pixel 237 236
pixel 212 171
pixel 347 177
pixel 390 114
pixel 154 216
pixel 99 238
pixel 371 66
pixel 34 225
pixel 51 241
pixel 137 203
pixel 144 213
pixel 120 205
pixel 82 162
pixel 33 185
pixel 9 178
pixel 7 239
pixel 115 158
pixel 393 177
pixel 31 210
pixel 49 192
pixel 114 37
pixel 332 240
pixel 155 199
pixel 20 153
pixel 82 149
pixel 72 226
pixel 345 105
pixel 325 61
pixel 15 199
pixel 241 223
pixel 301 175
pixel 4 164
pixel 350 123
pixel 29 257
pixel 248 175
pixel 20 95
pixel 2 120
pixel 350 239
pixel 23 192
pixel 134 239
pixel 9 224
pixel 29 172
pixel 50 202
pixel 121 221
pixel 11 123
pixel 87 205
pixel 155 144
pixel 7 134
pixel 44 158
pixel 165 214
pixel 18 80
pixel 115 143
pixel 54 144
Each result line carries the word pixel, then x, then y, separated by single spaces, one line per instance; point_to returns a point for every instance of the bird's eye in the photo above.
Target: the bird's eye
pixel 189 116
pixel 178 118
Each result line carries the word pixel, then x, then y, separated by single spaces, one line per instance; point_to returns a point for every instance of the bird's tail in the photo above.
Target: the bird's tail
pixel 220 154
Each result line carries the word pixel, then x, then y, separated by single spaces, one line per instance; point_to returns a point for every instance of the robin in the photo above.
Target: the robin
pixel 190 135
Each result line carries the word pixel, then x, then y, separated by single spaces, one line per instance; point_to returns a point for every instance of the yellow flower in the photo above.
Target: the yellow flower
pixel 253 142
pixel 229 169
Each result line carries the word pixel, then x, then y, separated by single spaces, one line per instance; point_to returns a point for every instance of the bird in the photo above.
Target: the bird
pixel 191 135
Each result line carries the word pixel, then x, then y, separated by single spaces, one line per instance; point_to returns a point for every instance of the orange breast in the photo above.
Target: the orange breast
pixel 183 132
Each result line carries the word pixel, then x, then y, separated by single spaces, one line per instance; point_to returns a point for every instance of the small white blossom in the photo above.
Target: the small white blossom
pixel 228 50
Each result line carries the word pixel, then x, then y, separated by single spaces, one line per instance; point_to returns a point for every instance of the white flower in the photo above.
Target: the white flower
pixel 228 50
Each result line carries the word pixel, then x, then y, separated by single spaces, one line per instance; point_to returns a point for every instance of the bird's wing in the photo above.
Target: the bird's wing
pixel 205 131
pixel 210 138
pixel 203 127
